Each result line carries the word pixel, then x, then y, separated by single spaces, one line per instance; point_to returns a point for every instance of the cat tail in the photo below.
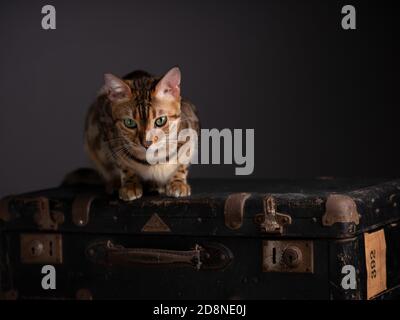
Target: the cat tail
pixel 83 177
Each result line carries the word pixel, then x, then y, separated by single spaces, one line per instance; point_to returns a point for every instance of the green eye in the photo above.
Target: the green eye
pixel 130 123
pixel 161 121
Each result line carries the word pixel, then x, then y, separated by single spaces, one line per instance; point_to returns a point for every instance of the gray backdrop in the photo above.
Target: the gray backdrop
pixel 322 100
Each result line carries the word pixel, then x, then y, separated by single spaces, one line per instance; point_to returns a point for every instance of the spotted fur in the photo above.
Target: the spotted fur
pixel 118 152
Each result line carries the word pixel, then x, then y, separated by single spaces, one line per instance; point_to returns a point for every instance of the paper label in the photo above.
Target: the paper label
pixel 375 259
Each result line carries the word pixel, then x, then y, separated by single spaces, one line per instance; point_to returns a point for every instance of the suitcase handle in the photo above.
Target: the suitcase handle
pixel 210 256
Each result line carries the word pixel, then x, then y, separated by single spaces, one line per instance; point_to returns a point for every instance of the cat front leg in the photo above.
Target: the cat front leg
pixel 131 187
pixel 178 186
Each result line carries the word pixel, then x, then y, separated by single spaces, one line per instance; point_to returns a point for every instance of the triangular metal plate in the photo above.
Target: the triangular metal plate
pixel 155 224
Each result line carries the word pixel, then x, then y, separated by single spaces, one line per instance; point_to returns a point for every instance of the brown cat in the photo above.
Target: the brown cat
pixel 120 129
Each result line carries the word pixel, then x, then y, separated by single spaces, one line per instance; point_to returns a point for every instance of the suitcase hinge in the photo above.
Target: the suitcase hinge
pixel 272 221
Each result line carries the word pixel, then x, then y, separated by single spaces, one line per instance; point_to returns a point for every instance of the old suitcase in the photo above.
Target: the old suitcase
pixel 319 239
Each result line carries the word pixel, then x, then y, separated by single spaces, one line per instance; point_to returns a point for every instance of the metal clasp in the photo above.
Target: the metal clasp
pixel 272 221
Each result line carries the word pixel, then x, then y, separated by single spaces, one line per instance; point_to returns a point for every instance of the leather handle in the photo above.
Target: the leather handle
pixel 212 256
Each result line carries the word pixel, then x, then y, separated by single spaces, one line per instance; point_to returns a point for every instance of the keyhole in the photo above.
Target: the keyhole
pixel 274 255
pixel 292 256
pixel 51 248
pixel 36 248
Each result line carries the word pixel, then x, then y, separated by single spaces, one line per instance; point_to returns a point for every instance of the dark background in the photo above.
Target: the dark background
pixel 323 101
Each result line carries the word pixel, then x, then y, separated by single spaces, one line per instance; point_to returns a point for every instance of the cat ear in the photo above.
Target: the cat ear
pixel 169 85
pixel 116 89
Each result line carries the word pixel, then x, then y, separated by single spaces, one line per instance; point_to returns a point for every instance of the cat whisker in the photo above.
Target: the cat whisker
pixel 114 153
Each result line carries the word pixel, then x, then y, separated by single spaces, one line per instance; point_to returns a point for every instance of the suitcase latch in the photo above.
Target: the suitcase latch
pixel 294 256
pixel 272 221
pixel 41 248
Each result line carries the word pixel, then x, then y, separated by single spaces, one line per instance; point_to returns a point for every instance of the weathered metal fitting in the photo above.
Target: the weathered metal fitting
pixel 340 209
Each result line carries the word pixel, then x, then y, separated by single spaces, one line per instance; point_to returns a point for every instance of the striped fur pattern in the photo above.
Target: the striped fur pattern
pixel 118 132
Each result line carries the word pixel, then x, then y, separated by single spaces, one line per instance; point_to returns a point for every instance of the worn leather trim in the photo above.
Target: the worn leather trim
pixel 234 210
pixel 81 209
pixel 207 256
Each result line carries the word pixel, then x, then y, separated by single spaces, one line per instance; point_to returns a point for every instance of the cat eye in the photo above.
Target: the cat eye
pixel 161 121
pixel 130 123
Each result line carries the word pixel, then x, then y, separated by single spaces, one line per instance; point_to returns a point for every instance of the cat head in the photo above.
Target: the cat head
pixel 143 105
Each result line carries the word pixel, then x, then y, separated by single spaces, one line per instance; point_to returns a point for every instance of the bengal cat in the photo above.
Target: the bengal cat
pixel 120 129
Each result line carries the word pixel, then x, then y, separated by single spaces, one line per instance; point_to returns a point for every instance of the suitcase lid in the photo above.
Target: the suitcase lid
pixel 320 208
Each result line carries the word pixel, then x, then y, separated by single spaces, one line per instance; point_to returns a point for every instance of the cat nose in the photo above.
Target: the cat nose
pixel 147 143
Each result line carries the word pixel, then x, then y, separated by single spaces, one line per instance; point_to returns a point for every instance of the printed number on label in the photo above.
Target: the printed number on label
pixel 372 256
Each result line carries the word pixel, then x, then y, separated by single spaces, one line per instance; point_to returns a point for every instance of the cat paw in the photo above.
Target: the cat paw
pixel 178 189
pixel 131 192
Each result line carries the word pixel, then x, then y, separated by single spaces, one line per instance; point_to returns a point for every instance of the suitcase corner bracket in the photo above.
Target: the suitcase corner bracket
pixel 340 208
